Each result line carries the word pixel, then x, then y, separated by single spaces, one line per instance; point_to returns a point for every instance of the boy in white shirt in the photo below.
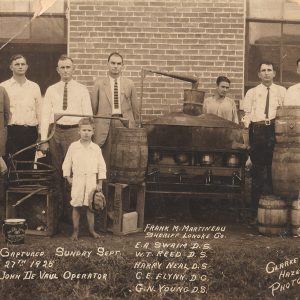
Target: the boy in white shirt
pixel 84 168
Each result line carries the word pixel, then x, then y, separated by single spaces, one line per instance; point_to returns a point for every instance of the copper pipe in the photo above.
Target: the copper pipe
pixel 193 79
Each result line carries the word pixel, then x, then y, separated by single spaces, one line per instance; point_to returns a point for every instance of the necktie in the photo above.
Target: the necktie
pixel 116 97
pixel 65 99
pixel 267 104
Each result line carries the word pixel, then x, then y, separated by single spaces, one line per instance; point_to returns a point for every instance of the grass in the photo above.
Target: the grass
pixel 236 269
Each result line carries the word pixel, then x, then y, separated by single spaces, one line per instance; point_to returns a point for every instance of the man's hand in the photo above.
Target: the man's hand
pixel 248 165
pixel 44 147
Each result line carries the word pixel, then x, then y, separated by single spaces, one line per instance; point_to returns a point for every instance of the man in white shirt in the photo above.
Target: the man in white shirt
pixel 219 104
pixel 292 96
pixel 260 106
pixel 25 100
pixel 64 97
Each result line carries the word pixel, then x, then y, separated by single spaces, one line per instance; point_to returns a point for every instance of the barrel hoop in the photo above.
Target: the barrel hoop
pixel 272 225
pixel 122 169
pixel 272 207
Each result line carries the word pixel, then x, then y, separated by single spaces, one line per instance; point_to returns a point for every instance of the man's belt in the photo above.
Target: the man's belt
pixel 61 126
pixel 117 115
pixel 24 125
pixel 264 123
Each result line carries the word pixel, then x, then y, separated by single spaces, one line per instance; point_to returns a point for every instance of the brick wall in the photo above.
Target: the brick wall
pixel 204 38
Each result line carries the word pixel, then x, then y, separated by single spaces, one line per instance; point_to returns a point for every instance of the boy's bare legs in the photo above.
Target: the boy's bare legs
pixel 75 219
pixel 90 219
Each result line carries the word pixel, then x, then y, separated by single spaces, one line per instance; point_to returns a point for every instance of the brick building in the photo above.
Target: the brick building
pixel 205 38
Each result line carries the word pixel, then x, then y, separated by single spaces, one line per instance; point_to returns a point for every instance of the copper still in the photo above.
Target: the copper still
pixel 193 153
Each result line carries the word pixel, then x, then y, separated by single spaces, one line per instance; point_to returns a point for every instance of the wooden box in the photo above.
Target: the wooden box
pixel 123 199
pixel 39 209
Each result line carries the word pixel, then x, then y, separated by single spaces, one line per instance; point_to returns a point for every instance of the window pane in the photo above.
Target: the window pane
pixel 14 6
pixel 48 30
pixel 23 6
pixel 266 9
pixel 291 34
pixel 291 10
pixel 291 55
pixel 57 7
pixel 10 26
pixel 264 33
pixel 259 53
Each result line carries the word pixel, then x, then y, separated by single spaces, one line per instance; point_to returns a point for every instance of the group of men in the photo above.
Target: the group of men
pixel 260 106
pixel 26 115
pixel 30 118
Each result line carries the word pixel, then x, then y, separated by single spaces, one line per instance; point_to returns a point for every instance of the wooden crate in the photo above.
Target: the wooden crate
pixel 122 198
pixel 39 210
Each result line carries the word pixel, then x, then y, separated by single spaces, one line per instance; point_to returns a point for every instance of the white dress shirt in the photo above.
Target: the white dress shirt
pixel 112 85
pixel 79 102
pixel 254 103
pixel 292 96
pixel 86 164
pixel 25 101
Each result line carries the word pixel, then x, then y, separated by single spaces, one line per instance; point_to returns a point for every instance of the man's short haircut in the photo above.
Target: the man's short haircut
pixel 221 79
pixel 17 56
pixel 86 121
pixel 265 62
pixel 298 60
pixel 115 54
pixel 65 57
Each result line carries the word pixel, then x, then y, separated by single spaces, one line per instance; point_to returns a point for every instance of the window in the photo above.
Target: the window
pixel 41 41
pixel 273 33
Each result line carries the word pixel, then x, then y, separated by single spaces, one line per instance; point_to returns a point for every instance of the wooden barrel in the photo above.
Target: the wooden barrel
pixel 286 170
pixel 287 125
pixel 272 216
pixel 129 155
pixel 295 217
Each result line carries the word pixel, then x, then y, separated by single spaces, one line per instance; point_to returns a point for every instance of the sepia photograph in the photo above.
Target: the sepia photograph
pixel 149 149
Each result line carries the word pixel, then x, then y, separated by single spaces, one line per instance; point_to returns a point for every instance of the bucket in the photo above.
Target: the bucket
pixel 295 217
pixel 272 216
pixel 129 156
pixel 286 170
pixel 14 231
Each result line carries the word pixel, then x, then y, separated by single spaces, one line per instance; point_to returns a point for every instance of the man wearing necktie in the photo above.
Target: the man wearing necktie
pixel 66 96
pixel 113 96
pixel 260 106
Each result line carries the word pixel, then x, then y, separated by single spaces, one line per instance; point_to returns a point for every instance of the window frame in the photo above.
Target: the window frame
pixel 248 84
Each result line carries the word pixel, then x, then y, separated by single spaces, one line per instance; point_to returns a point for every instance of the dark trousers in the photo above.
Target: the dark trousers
pixel 262 141
pixel 20 137
pixel 59 145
